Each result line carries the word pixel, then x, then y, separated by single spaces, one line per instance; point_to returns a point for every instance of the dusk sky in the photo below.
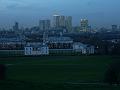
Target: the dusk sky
pixel 28 12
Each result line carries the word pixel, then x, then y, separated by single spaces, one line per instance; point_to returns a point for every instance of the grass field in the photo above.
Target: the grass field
pixel 58 69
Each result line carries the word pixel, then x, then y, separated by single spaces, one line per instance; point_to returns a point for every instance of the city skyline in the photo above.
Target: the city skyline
pixel 29 12
pixel 67 20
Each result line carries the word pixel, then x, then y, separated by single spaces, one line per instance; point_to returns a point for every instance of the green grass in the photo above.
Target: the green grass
pixel 58 69
pixel 19 85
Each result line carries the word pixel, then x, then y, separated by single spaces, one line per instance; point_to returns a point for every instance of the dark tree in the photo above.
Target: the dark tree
pixel 112 75
pixel 2 72
pixel 116 49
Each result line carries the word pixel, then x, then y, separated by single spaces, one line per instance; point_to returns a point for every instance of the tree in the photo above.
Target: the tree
pixel 2 72
pixel 112 74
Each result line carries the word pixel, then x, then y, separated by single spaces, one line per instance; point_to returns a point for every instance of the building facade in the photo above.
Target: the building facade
pixel 83 48
pixel 56 21
pixel 44 24
pixel 60 21
pixel 84 25
pixel 36 49
pixel 60 42
pixel 68 23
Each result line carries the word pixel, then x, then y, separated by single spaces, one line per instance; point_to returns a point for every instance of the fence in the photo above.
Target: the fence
pixel 53 52
pixel 6 53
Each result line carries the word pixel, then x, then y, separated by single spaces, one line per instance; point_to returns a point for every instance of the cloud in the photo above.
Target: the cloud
pixel 12 4
pixel 96 10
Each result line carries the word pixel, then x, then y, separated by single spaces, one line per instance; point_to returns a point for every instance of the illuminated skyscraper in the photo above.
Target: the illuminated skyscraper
pixel 84 25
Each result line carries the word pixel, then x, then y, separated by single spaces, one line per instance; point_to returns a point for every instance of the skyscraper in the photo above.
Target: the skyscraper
pixel 44 24
pixel 58 21
pixel 84 25
pixel 62 21
pixel 16 26
pixel 68 23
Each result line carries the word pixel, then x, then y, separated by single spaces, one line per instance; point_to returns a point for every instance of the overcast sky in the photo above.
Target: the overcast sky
pixel 28 12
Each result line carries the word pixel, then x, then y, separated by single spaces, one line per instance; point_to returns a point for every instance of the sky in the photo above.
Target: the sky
pixel 28 12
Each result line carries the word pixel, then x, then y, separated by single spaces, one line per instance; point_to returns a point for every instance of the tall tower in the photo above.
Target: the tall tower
pixel 68 23
pixel 16 26
pixel 84 25
pixel 62 21
pixel 56 21
pixel 44 24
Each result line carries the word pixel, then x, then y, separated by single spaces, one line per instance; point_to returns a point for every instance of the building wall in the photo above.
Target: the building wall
pixel 68 23
pixel 91 50
pixel 60 21
pixel 84 25
pixel 44 24
pixel 84 49
pixel 28 50
pixel 56 21
pixel 36 51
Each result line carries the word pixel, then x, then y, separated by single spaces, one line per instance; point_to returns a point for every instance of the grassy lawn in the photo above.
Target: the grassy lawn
pixel 58 69
pixel 15 85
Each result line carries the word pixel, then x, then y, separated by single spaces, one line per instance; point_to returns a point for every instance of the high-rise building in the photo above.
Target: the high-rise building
pixel 44 24
pixel 84 25
pixel 58 21
pixel 16 26
pixel 114 27
pixel 68 23
pixel 62 21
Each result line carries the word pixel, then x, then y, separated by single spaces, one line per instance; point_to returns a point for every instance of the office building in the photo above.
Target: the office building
pixel 62 21
pixel 16 26
pixel 68 23
pixel 44 24
pixel 58 21
pixel 84 25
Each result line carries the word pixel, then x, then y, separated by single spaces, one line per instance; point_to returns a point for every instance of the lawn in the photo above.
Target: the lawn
pixel 57 69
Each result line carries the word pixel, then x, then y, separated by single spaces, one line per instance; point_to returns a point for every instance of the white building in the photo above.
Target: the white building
pixel 83 48
pixel 90 49
pixel 36 49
